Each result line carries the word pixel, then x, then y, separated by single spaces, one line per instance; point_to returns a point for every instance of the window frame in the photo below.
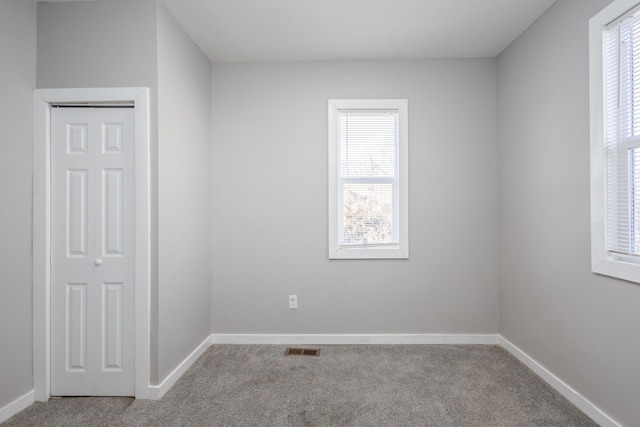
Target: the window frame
pixel 603 261
pixel 401 195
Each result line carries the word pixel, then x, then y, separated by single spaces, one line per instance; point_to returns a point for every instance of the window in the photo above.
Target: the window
pixel 368 179
pixel 615 140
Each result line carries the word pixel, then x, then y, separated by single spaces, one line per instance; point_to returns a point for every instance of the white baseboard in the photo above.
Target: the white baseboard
pixel 327 339
pixel 563 388
pixel 17 405
pixel 157 391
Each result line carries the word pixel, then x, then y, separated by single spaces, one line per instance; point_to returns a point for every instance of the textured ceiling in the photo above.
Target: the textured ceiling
pixel 304 30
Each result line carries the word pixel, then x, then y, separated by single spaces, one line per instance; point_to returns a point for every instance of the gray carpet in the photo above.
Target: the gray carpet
pixel 415 385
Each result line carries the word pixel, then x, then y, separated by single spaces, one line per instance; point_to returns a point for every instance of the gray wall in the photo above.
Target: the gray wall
pixel 582 327
pixel 17 80
pixel 270 201
pixel 184 163
pixel 97 44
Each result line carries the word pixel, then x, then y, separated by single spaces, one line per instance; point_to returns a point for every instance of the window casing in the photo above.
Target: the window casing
pixel 368 179
pixel 615 140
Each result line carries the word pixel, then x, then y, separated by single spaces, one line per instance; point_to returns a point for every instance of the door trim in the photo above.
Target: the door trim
pixel 43 99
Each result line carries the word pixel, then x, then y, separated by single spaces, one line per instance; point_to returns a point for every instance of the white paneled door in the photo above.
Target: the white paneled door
pixel 92 251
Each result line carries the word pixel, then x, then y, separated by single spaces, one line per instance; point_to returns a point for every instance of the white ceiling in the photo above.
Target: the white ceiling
pixel 306 30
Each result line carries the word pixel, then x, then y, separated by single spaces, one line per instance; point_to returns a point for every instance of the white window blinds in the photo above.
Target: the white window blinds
pixel 621 70
pixel 368 143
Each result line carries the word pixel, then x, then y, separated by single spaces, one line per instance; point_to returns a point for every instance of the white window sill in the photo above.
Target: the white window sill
pixel 617 267
pixel 369 253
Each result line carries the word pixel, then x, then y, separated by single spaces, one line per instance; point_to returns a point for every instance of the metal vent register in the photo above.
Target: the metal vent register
pixel 302 352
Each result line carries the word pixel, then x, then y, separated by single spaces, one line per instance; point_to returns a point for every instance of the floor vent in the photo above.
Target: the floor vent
pixel 302 352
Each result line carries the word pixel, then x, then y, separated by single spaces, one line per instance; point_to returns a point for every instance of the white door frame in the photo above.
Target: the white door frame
pixel 43 99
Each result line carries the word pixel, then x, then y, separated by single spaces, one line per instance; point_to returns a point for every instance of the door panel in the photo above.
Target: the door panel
pixel 112 139
pixel 92 247
pixel 112 213
pixel 76 327
pixel 77 210
pixel 112 326
pixel 77 138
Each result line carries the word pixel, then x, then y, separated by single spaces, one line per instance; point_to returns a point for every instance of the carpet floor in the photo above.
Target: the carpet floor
pixel 355 385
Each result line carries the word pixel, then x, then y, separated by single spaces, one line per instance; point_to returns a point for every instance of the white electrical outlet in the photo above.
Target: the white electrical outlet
pixel 293 301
